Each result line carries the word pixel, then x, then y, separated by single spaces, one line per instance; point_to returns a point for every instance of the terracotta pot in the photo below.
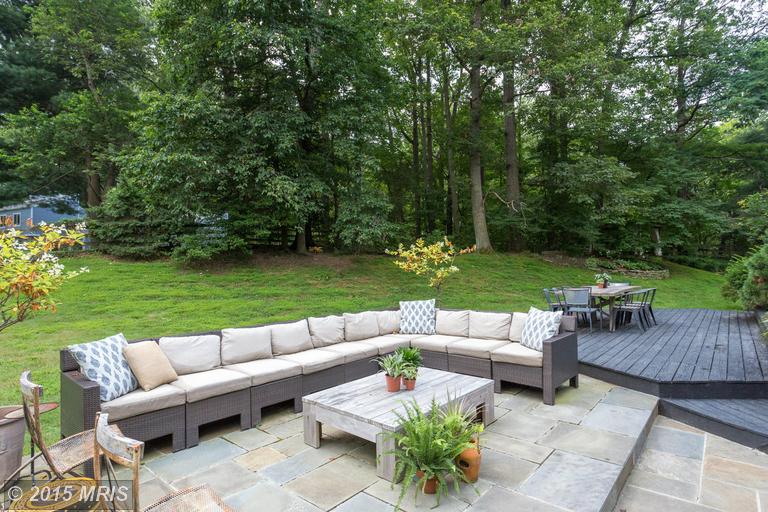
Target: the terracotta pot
pixel 430 486
pixel 409 384
pixel 601 285
pixel 469 462
pixel 393 383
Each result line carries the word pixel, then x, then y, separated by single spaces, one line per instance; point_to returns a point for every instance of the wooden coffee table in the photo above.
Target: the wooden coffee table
pixel 365 409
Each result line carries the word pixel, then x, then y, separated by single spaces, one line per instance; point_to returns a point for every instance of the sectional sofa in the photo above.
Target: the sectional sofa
pixel 238 372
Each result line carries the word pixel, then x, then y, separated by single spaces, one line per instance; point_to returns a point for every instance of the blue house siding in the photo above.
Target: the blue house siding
pixel 24 214
pixel 33 211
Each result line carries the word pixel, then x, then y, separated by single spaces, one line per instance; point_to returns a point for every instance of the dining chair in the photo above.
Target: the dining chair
pixel 634 305
pixel 553 301
pixel 649 306
pixel 126 452
pixel 579 301
pixel 63 457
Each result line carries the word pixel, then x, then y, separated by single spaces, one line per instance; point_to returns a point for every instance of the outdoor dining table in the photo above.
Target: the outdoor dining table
pixel 610 293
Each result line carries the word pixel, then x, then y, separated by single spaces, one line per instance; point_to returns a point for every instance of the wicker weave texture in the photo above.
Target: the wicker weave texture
pixel 157 424
pixel 237 403
pixel 273 393
pixel 359 369
pixel 436 360
pixel 469 365
pixel 323 379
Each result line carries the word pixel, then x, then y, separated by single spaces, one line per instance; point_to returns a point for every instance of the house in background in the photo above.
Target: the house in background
pixel 37 209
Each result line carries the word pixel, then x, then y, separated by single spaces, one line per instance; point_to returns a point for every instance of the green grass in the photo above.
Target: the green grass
pixel 160 298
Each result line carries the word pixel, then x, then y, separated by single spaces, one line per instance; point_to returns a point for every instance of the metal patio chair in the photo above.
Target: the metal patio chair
pixel 553 299
pixel 579 301
pixel 634 305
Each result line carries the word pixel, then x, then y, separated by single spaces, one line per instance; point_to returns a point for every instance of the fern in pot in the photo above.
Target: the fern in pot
pixel 426 452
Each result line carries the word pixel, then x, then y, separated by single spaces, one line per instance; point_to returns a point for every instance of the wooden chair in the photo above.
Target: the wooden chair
pixel 62 457
pixel 126 452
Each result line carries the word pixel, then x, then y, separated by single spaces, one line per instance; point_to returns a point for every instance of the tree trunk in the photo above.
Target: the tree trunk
pixel 510 154
pixel 416 170
pixel 301 241
pixel 429 157
pixel 453 193
pixel 482 240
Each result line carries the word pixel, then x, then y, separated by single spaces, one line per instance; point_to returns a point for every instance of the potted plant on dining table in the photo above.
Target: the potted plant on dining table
pixel 603 280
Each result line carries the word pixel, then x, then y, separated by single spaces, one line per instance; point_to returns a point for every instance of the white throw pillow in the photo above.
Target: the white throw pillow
pixel 389 322
pixel 192 354
pixel 452 323
pixel 539 326
pixel 489 326
pixel 103 362
pixel 327 330
pixel 246 344
pixel 516 327
pixel 417 317
pixel 360 326
pixel 291 338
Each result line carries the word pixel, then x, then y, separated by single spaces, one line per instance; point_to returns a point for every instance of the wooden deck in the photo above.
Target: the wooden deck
pixel 692 353
pixel 710 368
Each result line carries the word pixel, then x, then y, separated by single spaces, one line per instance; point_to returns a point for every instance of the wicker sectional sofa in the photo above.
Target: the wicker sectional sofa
pixel 307 356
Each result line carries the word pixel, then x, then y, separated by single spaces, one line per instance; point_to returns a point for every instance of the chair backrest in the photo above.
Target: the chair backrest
pixel 119 449
pixel 578 296
pixel 651 296
pixel 636 297
pixel 548 297
pixel 30 399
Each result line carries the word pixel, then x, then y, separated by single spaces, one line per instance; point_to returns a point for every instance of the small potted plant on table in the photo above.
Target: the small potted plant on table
pixel 603 280
pixel 411 358
pixel 392 366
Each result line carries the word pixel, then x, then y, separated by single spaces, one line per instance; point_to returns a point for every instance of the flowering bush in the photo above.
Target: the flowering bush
pixel 436 261
pixel 29 271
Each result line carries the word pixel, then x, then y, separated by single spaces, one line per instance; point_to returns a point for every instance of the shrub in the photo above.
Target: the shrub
pixel 747 279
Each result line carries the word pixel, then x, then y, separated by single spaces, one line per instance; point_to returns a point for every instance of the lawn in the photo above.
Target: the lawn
pixel 160 298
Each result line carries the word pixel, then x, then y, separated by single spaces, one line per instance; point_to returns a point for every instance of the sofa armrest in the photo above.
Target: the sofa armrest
pixel 561 356
pixel 79 402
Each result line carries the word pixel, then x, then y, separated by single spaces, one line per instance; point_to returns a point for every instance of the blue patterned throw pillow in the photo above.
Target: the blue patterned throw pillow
pixel 417 317
pixel 103 362
pixel 539 326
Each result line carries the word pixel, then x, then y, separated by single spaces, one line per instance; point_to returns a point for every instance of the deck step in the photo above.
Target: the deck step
pixel 744 421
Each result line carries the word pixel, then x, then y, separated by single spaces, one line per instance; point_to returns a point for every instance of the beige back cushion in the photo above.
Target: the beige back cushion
pixel 192 354
pixel 452 323
pixel 291 338
pixel 516 327
pixel 389 322
pixel 491 326
pixel 327 330
pixel 246 344
pixel 360 326
pixel 149 364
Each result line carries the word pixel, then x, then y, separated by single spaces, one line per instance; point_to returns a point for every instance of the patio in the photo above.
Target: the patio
pixel 573 456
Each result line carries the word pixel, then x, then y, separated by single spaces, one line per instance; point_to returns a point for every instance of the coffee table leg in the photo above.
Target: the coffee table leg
pixel 385 460
pixel 488 408
pixel 313 429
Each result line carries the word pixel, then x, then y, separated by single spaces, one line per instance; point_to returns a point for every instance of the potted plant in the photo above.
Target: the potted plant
pixel 410 373
pixel 426 453
pixel 602 280
pixel 463 426
pixel 392 366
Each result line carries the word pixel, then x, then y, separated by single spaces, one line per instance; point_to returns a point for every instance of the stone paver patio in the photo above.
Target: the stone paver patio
pixel 535 458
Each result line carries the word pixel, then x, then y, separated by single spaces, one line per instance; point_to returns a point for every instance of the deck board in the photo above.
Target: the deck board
pixel 689 346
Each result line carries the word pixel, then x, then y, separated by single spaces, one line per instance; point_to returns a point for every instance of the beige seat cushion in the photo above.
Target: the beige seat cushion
pixel 291 338
pixel 149 364
pixel 389 322
pixel 452 323
pixel 354 350
pixel 202 385
pixel 489 326
pixel 516 327
pixel 262 371
pixel 141 402
pixel 516 353
pixel 359 326
pixel 245 344
pixel 192 354
pixel 409 337
pixel 326 330
pixel 314 360
pixel 388 343
pixel 435 342
pixel 476 347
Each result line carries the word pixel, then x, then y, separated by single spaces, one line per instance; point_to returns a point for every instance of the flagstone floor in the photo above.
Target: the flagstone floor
pixel 535 458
